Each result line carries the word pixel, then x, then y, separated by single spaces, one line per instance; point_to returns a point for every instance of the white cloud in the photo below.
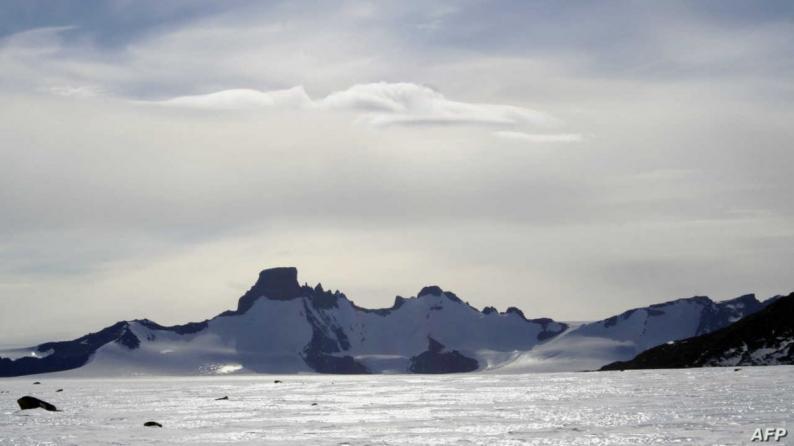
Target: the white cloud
pixel 405 103
pixel 380 104
pixel 540 137
pixel 242 99
pixel 78 91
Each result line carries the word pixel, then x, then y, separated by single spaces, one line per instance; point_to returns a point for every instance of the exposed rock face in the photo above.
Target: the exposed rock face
pixel 726 312
pixel 30 402
pixel 68 355
pixel 431 290
pixel 763 338
pixel 489 310
pixel 273 283
pixel 551 328
pixel 437 360
pixel 515 310
pixel 189 328
pixel 344 365
pixel 321 352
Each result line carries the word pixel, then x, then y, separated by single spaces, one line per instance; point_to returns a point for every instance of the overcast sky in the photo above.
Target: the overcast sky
pixel 574 159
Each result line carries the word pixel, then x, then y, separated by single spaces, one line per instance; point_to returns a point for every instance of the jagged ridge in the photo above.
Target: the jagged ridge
pixel 327 333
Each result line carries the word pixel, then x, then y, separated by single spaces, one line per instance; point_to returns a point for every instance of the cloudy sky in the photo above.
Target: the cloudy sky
pixel 574 159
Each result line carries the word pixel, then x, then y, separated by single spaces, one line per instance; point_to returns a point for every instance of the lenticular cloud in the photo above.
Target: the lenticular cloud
pixel 378 104
pixel 243 99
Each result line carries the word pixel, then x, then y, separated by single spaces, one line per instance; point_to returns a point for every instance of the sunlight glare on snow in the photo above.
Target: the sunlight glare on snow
pixel 228 368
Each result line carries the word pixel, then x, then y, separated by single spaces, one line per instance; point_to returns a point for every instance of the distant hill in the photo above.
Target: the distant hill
pixel 762 338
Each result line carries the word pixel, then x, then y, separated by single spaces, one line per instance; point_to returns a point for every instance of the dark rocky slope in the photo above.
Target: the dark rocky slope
pixel 762 338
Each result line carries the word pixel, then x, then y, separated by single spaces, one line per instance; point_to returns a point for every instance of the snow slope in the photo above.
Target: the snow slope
pixel 621 337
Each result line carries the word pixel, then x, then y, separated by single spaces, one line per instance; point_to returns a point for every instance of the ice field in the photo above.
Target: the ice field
pixel 695 406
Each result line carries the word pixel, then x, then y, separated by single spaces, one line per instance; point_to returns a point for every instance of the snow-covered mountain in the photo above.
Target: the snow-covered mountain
pixel 618 338
pixel 280 326
pixel 764 338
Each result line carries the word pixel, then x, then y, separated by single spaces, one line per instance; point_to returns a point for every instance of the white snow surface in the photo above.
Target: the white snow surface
pixel 710 406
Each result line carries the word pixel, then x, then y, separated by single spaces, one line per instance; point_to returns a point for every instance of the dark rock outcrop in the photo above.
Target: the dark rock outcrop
pixel 282 284
pixel 490 310
pixel 435 290
pixel 720 314
pixel 321 354
pixel 67 355
pixel 515 310
pixel 129 340
pixel 431 290
pixel 398 302
pixel 30 402
pixel 185 329
pixel 762 338
pixel 344 365
pixel 550 327
pixel 273 283
pixel 436 360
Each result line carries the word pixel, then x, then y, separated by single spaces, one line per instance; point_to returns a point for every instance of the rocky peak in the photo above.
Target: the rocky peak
pixel 431 290
pixel 435 290
pixel 274 283
pixel 515 311
pixel 748 300
pixel 489 310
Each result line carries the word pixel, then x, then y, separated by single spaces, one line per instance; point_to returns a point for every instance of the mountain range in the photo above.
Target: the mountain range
pixel 763 338
pixel 280 326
